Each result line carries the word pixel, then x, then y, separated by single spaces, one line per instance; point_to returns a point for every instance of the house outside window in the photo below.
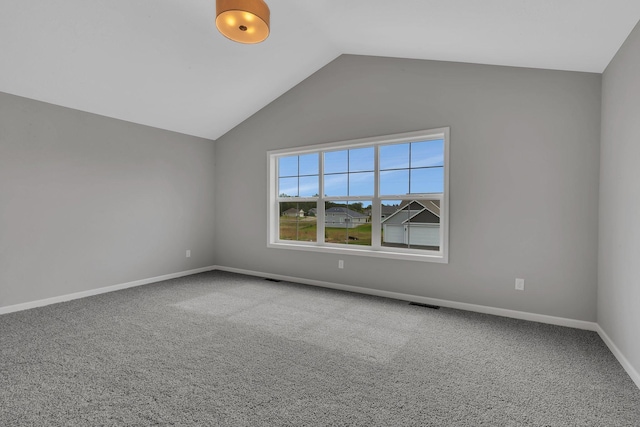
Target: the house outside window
pixel 384 197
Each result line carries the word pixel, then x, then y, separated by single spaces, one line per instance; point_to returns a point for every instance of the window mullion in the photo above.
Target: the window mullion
pixel 376 202
pixel 274 205
pixel 409 167
pixel 320 207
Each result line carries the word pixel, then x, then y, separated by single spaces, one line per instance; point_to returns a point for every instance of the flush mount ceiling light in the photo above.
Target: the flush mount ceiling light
pixel 243 21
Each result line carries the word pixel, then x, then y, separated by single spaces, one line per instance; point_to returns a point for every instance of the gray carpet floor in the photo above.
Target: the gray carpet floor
pixel 222 349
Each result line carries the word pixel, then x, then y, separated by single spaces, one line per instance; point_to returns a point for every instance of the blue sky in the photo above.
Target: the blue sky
pixel 415 167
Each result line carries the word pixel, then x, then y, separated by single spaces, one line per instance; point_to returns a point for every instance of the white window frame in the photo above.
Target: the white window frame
pixel 376 249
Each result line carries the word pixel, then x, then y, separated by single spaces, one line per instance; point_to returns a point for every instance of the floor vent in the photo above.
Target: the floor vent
pixel 435 307
pixel 272 280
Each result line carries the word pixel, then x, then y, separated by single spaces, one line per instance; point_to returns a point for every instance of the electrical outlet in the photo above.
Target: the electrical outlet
pixel 188 253
pixel 340 264
pixel 520 284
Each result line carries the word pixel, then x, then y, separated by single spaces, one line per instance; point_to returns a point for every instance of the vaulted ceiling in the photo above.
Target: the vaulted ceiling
pixel 162 63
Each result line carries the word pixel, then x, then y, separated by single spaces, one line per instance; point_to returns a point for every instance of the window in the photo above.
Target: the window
pixel 384 197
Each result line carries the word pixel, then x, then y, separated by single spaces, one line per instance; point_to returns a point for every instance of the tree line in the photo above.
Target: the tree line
pixel 307 206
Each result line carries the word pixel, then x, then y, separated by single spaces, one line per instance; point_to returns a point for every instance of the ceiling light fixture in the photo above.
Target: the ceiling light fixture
pixel 243 21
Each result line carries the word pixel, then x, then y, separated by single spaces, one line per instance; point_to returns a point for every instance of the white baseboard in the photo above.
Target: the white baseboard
pixel 633 373
pixel 560 321
pixel 91 292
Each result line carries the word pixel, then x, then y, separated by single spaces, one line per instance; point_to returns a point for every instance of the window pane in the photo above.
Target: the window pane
pixel 309 186
pixel 309 164
pixel 393 215
pixel 394 182
pixel 361 159
pixel 288 228
pixel 288 187
pixel 361 184
pixel 335 162
pixel 427 153
pixel 298 221
pixel 359 232
pixel 348 223
pixel 336 185
pixel 423 227
pixel 411 224
pixel 288 166
pixel 389 207
pixel 429 180
pixel 334 215
pixel 394 156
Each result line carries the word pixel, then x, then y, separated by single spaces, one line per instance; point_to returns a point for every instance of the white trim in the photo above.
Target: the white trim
pixel 633 373
pixel 98 291
pixel 444 204
pixel 426 135
pixel 375 249
pixel 338 249
pixel 533 317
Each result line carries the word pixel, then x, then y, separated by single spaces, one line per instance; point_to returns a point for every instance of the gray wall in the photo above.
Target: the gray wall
pixel 619 258
pixel 523 181
pixel 87 201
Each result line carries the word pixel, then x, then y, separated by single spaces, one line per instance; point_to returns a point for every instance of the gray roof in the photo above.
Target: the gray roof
pixel 426 217
pixel 431 205
pixel 388 209
pixel 401 217
pixel 423 211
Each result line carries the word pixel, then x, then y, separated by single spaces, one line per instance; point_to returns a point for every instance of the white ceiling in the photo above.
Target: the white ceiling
pixel 162 63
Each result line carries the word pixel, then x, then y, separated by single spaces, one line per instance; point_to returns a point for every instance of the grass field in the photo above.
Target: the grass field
pixel 300 229
pixel 305 229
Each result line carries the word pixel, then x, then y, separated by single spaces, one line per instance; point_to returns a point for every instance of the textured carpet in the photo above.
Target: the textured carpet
pixel 231 350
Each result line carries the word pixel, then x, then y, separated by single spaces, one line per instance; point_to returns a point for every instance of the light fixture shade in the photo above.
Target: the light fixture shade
pixel 243 21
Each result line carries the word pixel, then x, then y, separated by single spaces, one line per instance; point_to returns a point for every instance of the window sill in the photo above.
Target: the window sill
pixel 363 251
